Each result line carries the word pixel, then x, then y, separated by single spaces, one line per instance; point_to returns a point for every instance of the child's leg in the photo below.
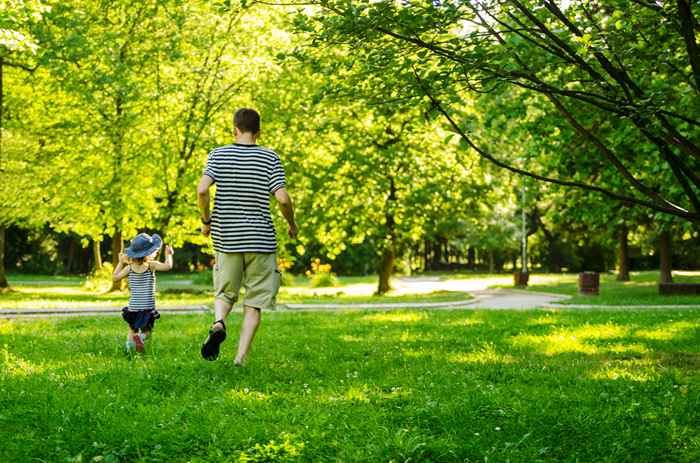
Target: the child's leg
pixel 130 341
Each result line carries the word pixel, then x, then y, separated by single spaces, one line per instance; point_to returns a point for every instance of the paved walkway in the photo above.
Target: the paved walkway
pixel 492 299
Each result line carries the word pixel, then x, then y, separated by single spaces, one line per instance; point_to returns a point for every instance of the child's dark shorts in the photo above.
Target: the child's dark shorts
pixel 140 319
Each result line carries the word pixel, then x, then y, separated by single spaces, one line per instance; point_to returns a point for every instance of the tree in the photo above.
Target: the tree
pixel 373 170
pixel 17 47
pixel 599 56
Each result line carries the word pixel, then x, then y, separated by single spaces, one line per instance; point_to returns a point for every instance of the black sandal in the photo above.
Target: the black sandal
pixel 210 348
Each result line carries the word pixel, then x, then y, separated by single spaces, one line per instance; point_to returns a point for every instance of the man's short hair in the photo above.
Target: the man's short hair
pixel 247 120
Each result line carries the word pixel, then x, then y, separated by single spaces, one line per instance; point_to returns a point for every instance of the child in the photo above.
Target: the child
pixel 141 313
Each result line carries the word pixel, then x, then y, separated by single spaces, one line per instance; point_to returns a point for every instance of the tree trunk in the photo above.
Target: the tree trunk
pixel 492 262
pixel 386 267
pixel 437 254
pixel 471 257
pixel 70 260
pixel 117 248
pixel 665 258
pixel 426 262
pixel 385 270
pixel 3 278
pixel 97 255
pixel 623 256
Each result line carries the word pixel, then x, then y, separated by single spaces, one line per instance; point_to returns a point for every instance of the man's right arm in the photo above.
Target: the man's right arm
pixel 203 201
pixel 285 203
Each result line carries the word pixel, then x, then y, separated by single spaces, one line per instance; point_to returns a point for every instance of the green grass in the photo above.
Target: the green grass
pixel 641 290
pixel 441 386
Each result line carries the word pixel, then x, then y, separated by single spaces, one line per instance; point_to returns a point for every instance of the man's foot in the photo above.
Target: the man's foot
pixel 217 335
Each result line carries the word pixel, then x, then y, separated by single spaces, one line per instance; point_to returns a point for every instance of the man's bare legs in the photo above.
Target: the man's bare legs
pixel 221 310
pixel 251 321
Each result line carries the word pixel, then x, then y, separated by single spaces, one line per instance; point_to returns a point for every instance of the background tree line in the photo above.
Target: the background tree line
pixel 406 129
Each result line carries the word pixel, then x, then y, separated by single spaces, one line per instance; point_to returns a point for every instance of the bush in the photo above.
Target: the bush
pixel 286 279
pixel 321 275
pixel 100 280
pixel 324 280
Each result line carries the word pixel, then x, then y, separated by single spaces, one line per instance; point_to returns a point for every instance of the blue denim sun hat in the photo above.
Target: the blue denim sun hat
pixel 144 245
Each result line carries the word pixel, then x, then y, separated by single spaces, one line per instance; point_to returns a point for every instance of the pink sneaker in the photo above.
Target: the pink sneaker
pixel 138 342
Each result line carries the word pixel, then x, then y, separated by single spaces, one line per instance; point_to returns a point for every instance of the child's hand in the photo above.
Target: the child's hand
pixel 123 258
pixel 168 250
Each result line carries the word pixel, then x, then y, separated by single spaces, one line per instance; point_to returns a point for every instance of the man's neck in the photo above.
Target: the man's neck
pixel 245 139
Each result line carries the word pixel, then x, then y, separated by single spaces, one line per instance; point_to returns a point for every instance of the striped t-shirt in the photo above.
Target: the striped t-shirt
pixel 245 177
pixel 142 287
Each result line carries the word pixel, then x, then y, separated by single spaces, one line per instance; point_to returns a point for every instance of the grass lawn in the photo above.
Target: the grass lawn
pixel 439 386
pixel 641 290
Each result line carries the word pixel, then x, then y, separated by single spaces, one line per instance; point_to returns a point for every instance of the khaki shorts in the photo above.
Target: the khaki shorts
pixel 255 271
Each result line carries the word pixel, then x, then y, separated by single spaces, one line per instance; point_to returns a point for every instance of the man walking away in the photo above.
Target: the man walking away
pixel 246 175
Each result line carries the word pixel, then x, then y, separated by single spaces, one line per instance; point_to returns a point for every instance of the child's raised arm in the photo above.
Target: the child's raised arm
pixel 168 264
pixel 122 269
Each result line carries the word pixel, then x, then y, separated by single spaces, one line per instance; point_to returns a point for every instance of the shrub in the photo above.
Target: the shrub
pixel 321 275
pixel 100 280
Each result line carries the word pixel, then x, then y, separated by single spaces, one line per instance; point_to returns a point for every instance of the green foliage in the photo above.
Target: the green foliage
pixel 321 276
pixel 100 280
pixel 609 111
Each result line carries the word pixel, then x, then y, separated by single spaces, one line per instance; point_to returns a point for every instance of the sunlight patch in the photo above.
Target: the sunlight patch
pixel 396 317
pixel 417 353
pixel 17 366
pixel 554 344
pixel 573 340
pixel 349 338
pixel 487 354
pixel 668 332
pixel 640 370
pixel 287 448
pixel 619 348
pixel 600 331
pixel 6 326
pixel 544 320
pixel 246 394
pixel 365 395
pixel 466 322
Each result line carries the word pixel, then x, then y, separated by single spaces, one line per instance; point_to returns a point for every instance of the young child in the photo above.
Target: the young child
pixel 139 266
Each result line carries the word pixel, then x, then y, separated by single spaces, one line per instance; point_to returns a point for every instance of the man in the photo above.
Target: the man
pixel 246 175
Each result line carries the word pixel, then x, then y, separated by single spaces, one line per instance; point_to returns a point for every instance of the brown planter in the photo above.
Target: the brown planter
pixel 589 283
pixel 520 279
